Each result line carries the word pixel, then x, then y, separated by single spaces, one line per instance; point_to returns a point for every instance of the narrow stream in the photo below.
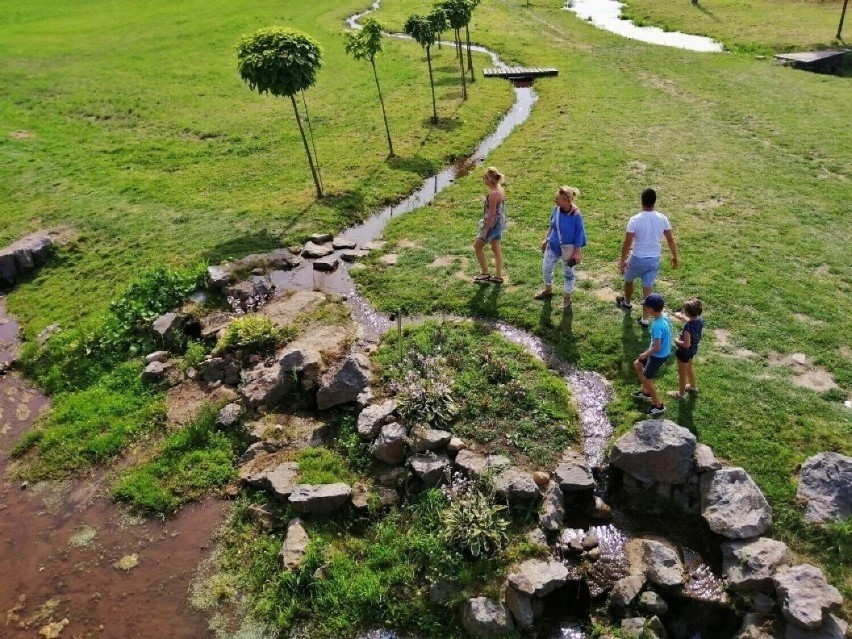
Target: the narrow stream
pixel 606 15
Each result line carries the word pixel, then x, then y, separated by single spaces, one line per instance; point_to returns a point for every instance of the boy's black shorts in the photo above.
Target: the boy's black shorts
pixel 653 366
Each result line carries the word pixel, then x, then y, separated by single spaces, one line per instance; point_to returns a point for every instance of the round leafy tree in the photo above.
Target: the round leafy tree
pixel 422 30
pixel 282 62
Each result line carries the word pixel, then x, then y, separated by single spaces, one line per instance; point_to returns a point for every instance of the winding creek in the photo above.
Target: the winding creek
pixel 60 543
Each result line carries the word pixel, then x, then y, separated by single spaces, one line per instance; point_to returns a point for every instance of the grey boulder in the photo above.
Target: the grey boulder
pixel 656 451
pixel 825 483
pixel 733 505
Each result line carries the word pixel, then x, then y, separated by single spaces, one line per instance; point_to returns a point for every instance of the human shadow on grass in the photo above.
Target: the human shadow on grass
pixel 705 10
pixel 240 246
pixel 683 410
pixel 631 339
pixel 483 303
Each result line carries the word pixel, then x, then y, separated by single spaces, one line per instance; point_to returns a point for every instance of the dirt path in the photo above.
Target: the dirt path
pixel 66 551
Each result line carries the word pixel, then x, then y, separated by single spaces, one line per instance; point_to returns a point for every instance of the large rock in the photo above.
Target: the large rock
pixel 475 464
pixel 264 386
pixel 389 446
pixel 574 476
pixel 662 563
pixel 20 257
pixel 166 328
pixel 430 468
pixel 302 364
pixel 218 277
pixel 327 264
pixel 805 596
pixel 552 512
pixel 520 606
pixel 825 483
pixel 733 505
pixel 750 565
pixel 346 384
pixel 313 251
pixel 832 628
pixel 156 371
pixel 319 498
pixel 269 472
pixel 251 293
pixel 641 628
pixel 422 438
pixel 626 590
pixel 373 417
pixel 483 617
pixel 295 545
pixel 213 369
pixel 229 415
pixel 705 459
pixel 537 578
pixel 655 451
pixel 516 487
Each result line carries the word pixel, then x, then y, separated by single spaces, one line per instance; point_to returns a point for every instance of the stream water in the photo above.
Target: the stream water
pixel 61 542
pixel 606 15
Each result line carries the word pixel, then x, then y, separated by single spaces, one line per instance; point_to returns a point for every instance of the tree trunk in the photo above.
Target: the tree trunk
pixel 461 65
pixel 432 84
pixel 469 56
pixel 307 149
pixel 382 102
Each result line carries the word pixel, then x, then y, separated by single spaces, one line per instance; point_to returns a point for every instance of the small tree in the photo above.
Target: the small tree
pixel 420 28
pixel 364 45
pixel 458 15
pixel 439 22
pixel 472 4
pixel 282 62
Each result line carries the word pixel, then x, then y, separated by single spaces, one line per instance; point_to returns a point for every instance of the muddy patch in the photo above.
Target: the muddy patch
pixel 289 431
pixel 636 168
pixel 712 203
pixel 184 401
pixel 804 373
pixel 283 310
pixel 443 261
pixel 389 259
pixel 408 245
pixel 21 135
pixel 807 319
pixel 726 346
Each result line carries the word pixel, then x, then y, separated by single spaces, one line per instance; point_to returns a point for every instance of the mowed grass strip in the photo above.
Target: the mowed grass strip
pixel 757 26
pixel 757 185
pixel 130 124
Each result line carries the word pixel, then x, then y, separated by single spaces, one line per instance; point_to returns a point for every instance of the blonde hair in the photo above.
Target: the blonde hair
pixel 570 192
pixel 494 175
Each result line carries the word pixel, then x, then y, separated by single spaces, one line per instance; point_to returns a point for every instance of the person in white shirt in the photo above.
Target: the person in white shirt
pixel 641 251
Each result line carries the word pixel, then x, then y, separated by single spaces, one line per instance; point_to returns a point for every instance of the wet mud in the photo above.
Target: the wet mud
pixel 68 553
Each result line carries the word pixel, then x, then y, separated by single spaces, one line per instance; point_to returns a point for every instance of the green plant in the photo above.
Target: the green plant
pixel 194 355
pixel 282 62
pixel 425 393
pixel 422 29
pixel 247 335
pixel 472 521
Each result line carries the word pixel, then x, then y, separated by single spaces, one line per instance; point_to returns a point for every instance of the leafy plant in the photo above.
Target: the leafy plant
pixel 194 355
pixel 472 521
pixel 425 394
pixel 247 335
pixel 282 61
pixel 422 29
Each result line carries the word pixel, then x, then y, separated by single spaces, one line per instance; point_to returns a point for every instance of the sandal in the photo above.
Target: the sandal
pixel 482 277
pixel 495 280
pixel 543 294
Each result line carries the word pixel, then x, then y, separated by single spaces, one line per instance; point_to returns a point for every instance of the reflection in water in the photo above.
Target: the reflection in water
pixel 606 15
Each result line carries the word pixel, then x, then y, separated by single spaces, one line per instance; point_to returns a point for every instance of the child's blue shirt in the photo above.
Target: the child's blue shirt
pixel 661 330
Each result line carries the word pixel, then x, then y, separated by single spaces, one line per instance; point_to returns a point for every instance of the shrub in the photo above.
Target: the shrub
pixel 247 335
pixel 425 393
pixel 472 521
pixel 195 354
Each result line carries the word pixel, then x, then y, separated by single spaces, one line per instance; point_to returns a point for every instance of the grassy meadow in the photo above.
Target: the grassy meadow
pixel 128 124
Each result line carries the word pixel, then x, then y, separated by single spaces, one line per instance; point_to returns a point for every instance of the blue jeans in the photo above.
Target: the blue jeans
pixel 548 264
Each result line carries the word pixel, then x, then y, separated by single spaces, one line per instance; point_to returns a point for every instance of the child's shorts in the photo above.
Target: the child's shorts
pixel 684 355
pixel 653 366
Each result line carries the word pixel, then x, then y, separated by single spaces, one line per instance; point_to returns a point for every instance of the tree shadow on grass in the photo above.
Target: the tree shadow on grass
pixel 416 164
pixel 443 124
pixel 237 247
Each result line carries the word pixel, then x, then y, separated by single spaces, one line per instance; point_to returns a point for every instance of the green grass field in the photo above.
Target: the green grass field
pixel 128 123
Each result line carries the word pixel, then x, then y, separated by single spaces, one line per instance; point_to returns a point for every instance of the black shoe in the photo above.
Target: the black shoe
pixel 641 395
pixel 657 410
pixel 622 304
pixel 643 322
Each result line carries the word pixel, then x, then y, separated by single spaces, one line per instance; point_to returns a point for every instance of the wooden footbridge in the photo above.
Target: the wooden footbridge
pixel 519 73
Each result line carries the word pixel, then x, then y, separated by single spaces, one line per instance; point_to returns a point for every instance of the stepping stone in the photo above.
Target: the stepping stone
pixel 326 264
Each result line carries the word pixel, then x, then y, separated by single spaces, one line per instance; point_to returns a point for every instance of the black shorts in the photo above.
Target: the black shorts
pixel 684 355
pixel 653 366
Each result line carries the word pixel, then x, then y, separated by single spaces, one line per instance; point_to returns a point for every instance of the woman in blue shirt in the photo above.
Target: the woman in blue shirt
pixel 564 242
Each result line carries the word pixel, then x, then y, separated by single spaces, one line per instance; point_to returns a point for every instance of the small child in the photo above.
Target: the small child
pixel 649 362
pixel 687 346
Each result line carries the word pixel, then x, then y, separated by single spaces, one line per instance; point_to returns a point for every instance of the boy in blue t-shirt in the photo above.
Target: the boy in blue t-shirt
pixel 649 362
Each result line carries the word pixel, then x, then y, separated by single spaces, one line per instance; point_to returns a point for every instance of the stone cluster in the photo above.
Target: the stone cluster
pixel 18 259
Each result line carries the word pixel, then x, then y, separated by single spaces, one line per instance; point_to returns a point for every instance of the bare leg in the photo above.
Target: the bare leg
pixel 480 256
pixel 681 376
pixel 497 249
pixel 650 388
pixel 690 374
pixel 646 291
pixel 628 292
